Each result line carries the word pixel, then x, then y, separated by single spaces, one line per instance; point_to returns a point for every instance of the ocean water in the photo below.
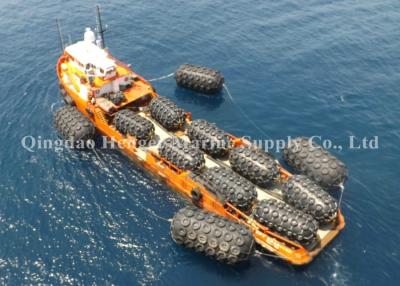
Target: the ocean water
pixel 326 68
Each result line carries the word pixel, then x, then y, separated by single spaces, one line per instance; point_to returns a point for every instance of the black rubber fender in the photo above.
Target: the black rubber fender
pixel 212 235
pixel 255 165
pixel 307 157
pixel 167 113
pixel 305 195
pixel 68 100
pixel 72 125
pixel 201 79
pixel 182 154
pixel 208 137
pixel 234 188
pixel 128 122
pixel 63 92
pixel 286 221
pixel 196 195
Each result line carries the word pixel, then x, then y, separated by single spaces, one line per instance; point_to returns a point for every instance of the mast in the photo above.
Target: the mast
pixel 60 35
pixel 100 29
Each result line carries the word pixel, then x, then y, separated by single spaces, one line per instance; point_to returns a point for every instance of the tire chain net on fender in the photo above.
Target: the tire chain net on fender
pixel 73 125
pixel 212 235
pixel 209 138
pixel 128 122
pixel 182 154
pixel 255 165
pixel 197 78
pixel 287 221
pixel 167 113
pixel 310 159
pixel 234 188
pixel 304 194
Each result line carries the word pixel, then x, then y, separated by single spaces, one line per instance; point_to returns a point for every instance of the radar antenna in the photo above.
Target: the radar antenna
pixel 100 29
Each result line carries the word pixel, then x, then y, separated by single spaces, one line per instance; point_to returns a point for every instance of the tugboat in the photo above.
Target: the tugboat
pixel 240 196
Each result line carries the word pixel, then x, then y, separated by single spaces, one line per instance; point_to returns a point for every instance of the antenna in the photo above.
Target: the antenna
pixel 60 34
pixel 100 29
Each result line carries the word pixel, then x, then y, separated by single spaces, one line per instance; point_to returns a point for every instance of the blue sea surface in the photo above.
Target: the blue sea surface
pixel 326 68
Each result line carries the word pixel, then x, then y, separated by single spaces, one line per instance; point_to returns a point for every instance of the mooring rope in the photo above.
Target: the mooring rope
pixel 157 216
pixel 162 77
pixel 230 97
pixel 341 194
pixel 98 157
pixel 242 111
pixel 257 252
pixel 52 106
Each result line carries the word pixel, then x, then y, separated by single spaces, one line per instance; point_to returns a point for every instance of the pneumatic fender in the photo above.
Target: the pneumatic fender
pixel 304 194
pixel 72 125
pixel 167 113
pixel 209 138
pixel 308 158
pixel 287 221
pixel 130 123
pixel 212 235
pixel 201 79
pixel 228 184
pixel 255 165
pixel 182 154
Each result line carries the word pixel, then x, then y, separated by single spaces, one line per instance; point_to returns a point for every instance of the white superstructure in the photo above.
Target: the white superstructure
pixel 100 69
pixel 90 58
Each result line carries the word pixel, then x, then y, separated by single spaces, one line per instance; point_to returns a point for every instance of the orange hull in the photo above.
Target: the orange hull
pixel 180 180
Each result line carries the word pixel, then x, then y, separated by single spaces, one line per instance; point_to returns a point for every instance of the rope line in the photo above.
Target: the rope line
pixel 52 106
pixel 242 111
pixel 158 216
pixel 341 195
pixel 257 252
pixel 230 97
pixel 98 157
pixel 162 77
